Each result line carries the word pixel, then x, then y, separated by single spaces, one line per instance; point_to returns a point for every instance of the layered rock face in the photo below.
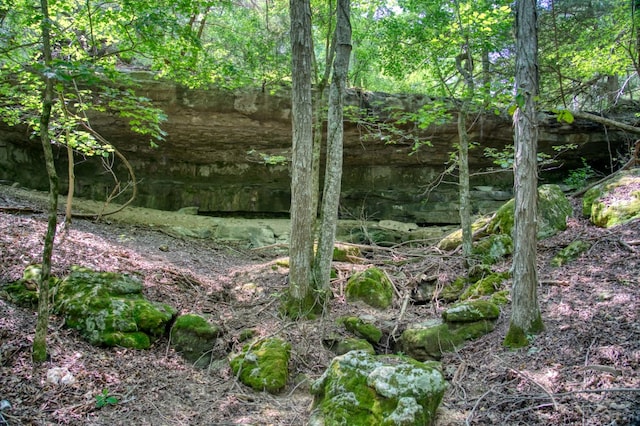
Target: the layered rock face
pixel 220 147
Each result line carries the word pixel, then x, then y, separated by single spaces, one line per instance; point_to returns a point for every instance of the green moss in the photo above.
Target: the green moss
pixel 361 328
pixel 486 286
pixel 471 311
pixel 264 365
pixel 349 344
pixel 570 253
pixel 346 253
pixel 361 389
pixel 246 334
pixel 106 307
pixel 500 298
pixel 515 338
pixel 493 248
pixel 371 286
pixel 134 340
pixel 518 338
pixel 194 337
pixel 430 342
pixel 615 201
pixel 307 308
pixel 454 239
pixel 453 291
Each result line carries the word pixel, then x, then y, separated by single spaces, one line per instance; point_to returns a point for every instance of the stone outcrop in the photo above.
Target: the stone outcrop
pixel 220 149
pixel 614 201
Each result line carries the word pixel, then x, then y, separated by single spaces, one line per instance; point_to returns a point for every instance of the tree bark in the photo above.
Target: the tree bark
pixel 335 133
pixel 40 339
pixel 525 312
pixel 301 299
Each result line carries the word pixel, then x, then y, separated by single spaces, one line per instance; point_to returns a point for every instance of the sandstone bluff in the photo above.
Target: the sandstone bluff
pixel 216 155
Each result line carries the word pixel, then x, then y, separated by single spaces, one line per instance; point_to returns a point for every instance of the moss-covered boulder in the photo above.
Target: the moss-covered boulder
pixel 429 340
pixel 263 365
pixel 194 337
pixel 485 286
pixel 371 286
pixel 473 310
pixel 109 309
pixel 361 328
pixel 360 389
pixel 24 292
pixel 454 239
pixel 614 201
pixel 570 252
pixel 492 248
pixel 553 210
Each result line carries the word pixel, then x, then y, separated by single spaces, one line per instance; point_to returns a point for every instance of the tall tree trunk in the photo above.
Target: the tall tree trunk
pixel 301 301
pixel 335 132
pixel 463 184
pixel 525 312
pixel 40 339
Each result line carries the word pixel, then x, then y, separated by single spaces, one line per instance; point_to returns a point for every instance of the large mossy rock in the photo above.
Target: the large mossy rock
pixel 263 366
pixel 614 201
pixel 371 286
pixel 463 321
pixel 485 286
pixel 360 389
pixel 108 309
pixel 553 210
pixel 194 338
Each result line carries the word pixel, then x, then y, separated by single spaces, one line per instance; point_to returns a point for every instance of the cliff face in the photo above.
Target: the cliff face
pixel 214 156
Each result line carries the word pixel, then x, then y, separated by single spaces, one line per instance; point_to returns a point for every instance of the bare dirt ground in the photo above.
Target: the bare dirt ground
pixel 584 369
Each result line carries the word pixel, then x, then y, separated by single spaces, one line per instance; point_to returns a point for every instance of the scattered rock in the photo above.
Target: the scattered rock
pixel 361 328
pixel 471 311
pixel 371 286
pixel 358 388
pixel 570 253
pixel 348 344
pixel 485 286
pixel 427 341
pixel 263 366
pixel 194 338
pixel 614 201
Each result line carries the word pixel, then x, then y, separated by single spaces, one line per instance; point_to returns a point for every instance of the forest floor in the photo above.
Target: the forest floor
pixel 584 369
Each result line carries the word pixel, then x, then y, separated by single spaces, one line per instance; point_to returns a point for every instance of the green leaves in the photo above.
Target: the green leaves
pixel 103 399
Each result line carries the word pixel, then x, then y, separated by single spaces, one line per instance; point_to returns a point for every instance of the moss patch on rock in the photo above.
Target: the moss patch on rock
pixel 361 328
pixel 194 337
pixel 570 253
pixel 474 310
pixel 615 201
pixel 263 366
pixel 371 286
pixel 430 340
pixel 346 253
pixel 452 292
pixel 493 248
pixel 349 344
pixel 24 292
pixel 485 286
pixel 361 389
pixel 108 309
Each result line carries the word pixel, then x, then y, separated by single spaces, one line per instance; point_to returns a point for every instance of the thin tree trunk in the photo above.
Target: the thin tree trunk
pixel 335 133
pixel 525 312
pixel 301 299
pixel 463 182
pixel 40 339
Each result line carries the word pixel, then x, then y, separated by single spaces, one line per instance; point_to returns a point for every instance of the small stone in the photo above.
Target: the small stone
pixel 163 248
